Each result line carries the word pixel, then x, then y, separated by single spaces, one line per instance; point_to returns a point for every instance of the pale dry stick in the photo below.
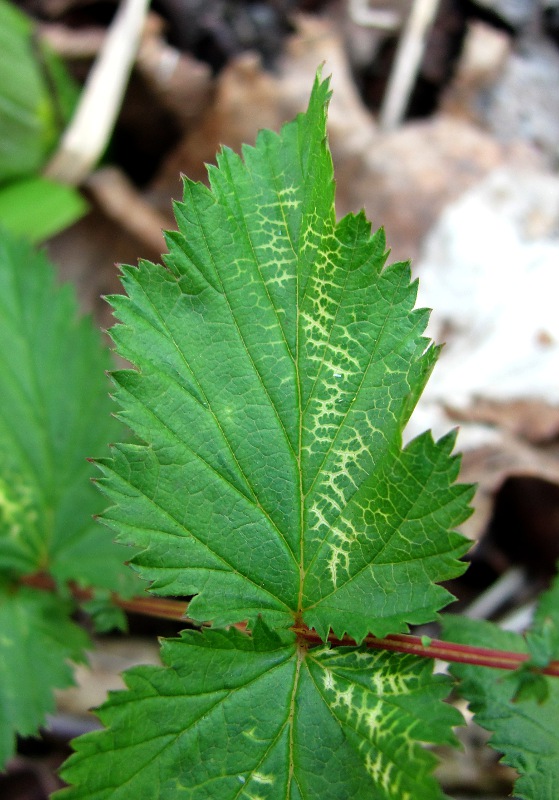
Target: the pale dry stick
pixel 407 60
pixel 502 591
pixel 70 43
pixel 385 19
pixel 119 199
pixel 87 135
pixel 520 619
pixel 426 647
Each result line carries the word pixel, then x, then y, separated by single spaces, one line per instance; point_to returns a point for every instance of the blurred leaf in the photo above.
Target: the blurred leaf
pixel 38 208
pixel 37 96
pixel 55 412
pixel 510 705
pixel 105 615
pixel 37 638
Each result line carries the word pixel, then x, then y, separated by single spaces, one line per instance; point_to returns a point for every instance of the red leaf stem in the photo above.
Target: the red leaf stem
pixel 436 648
pixel 400 642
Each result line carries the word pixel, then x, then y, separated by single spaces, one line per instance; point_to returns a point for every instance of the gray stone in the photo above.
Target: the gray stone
pixel 524 102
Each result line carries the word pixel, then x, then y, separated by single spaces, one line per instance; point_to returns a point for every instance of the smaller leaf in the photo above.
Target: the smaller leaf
pixel 542 641
pixel 55 413
pixel 37 208
pixel 529 685
pixel 105 615
pixel 543 637
pixel 37 640
pixel 524 729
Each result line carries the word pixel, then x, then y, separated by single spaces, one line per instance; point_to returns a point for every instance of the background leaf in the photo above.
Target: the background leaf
pixel 230 716
pixel 278 363
pixel 525 731
pixel 55 412
pixel 37 640
pixel 38 208
pixel 37 96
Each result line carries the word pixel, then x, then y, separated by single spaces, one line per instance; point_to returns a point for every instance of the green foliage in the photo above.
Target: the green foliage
pixel 38 208
pixel 232 716
pixel 53 415
pixel 278 361
pixel 37 98
pixel 543 637
pixel 510 705
pixel 55 412
pixel 36 640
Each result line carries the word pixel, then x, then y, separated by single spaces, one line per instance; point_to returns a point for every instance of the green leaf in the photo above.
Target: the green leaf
pixel 525 731
pixel 37 96
pixel 278 362
pixel 37 639
pixel 105 615
pixel 54 415
pixel 543 637
pixel 542 642
pixel 38 208
pixel 229 716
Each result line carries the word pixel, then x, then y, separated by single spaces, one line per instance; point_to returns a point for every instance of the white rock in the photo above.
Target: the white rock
pixel 490 271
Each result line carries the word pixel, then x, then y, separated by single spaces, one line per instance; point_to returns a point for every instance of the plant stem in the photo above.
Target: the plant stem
pixel 445 651
pixel 399 642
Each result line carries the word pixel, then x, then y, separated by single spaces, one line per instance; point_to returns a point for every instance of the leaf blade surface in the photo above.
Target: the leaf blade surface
pixel 278 361
pixel 55 413
pixel 523 730
pixel 37 638
pixel 257 717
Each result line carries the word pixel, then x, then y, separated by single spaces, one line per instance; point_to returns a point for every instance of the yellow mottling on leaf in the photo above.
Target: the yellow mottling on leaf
pixel 16 509
pixel 260 778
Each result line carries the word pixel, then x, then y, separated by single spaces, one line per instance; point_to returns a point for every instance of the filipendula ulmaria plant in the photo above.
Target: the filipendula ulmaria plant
pixel 277 363
pixel 54 413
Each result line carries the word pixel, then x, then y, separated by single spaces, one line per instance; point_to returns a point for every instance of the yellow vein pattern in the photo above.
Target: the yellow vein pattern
pixel 343 723
pixel 378 699
pixel 278 361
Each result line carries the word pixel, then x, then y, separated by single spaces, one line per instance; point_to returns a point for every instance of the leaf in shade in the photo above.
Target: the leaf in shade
pixel 523 729
pixel 37 640
pixel 55 413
